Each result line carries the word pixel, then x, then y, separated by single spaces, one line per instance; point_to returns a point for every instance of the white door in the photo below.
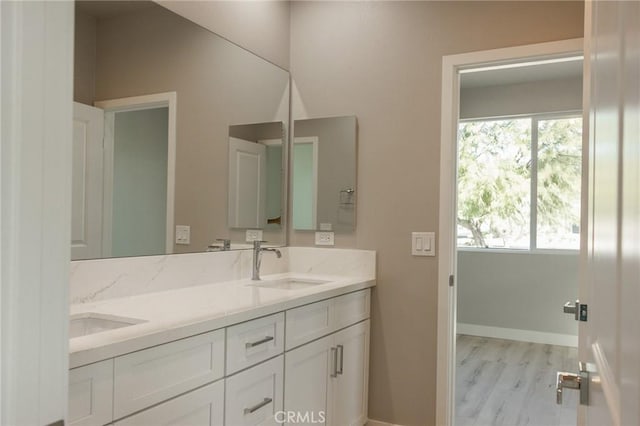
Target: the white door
pixel 350 388
pixel 307 389
pixel 87 182
pixel 247 184
pixel 610 338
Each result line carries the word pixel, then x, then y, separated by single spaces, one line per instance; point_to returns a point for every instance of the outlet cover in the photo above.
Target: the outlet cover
pixel 253 235
pixel 324 239
pixel 183 234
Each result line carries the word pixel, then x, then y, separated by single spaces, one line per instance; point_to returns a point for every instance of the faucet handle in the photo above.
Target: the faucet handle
pixel 226 243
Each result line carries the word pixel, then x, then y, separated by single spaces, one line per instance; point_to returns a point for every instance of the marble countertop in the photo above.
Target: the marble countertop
pixel 179 313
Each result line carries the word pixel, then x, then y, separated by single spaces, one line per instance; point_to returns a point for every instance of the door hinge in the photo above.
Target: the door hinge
pixel 451 280
pixel 579 310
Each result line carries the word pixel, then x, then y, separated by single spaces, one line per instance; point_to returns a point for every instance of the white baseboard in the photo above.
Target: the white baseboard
pixel 379 423
pixel 519 335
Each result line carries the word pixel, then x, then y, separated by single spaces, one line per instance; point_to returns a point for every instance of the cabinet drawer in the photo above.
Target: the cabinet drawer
pixel 308 322
pixel 91 394
pixel 254 396
pixel 156 374
pixel 315 320
pixel 254 341
pixel 202 407
pixel 351 308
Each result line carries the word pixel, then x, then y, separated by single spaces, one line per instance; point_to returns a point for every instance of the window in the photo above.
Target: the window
pixel 519 182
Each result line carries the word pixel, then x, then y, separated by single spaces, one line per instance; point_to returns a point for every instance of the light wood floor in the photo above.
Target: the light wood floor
pixel 509 383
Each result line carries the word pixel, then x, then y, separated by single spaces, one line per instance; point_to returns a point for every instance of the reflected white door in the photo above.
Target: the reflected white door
pixel 247 184
pixel 611 337
pixel 87 182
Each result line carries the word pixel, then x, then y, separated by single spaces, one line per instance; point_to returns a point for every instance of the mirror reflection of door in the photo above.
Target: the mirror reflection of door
pixel 121 201
pixel 87 182
pixel 247 183
pixel 305 182
pixel 255 176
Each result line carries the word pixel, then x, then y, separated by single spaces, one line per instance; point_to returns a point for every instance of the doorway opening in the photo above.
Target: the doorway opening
pixel 123 177
pixel 509 234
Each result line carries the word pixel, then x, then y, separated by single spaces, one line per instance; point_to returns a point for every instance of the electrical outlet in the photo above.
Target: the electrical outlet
pixel 253 235
pixel 324 239
pixel 183 234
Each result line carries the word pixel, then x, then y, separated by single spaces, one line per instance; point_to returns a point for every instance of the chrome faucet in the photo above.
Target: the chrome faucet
pixel 226 245
pixel 257 257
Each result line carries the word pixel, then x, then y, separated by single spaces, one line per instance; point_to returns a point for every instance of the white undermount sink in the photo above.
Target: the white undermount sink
pixel 91 323
pixel 288 283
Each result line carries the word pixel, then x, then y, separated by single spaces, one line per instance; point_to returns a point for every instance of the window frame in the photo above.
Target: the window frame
pixel 534 119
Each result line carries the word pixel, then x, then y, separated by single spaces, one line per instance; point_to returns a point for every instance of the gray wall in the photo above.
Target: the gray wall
pixel 517 290
pixel 382 62
pixel 525 98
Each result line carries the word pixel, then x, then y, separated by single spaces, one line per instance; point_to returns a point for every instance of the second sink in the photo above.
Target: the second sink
pixel 91 323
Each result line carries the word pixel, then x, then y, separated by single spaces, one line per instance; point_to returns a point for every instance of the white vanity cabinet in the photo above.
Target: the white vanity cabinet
pixel 310 361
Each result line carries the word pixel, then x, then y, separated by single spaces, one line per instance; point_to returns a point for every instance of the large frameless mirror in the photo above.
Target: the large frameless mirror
pixel 157 100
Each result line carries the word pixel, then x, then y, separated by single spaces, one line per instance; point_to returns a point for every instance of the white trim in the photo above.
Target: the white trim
pixel 136 103
pixel 451 66
pixel 36 141
pixel 313 140
pixel 519 335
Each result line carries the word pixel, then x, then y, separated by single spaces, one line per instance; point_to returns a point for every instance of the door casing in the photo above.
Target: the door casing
pixel 451 66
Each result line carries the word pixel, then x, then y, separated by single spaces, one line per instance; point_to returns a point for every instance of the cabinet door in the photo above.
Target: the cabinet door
pixel 201 407
pixel 307 388
pixel 91 394
pixel 349 407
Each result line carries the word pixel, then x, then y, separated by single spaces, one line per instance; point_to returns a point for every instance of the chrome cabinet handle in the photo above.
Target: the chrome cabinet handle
pixel 334 357
pixel 258 406
pixel 341 350
pixel 259 342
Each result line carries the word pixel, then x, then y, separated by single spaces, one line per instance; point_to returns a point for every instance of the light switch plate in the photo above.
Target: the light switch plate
pixel 423 243
pixel 253 235
pixel 324 239
pixel 183 234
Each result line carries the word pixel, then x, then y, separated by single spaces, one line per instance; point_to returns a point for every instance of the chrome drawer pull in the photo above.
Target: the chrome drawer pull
pixel 259 342
pixel 258 406
pixel 341 357
pixel 334 358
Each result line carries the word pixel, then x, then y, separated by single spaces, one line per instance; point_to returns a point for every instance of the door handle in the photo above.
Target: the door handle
pixel 579 381
pixel 341 350
pixel 579 310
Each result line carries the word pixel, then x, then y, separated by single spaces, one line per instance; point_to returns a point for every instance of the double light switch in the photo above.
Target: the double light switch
pixel 423 243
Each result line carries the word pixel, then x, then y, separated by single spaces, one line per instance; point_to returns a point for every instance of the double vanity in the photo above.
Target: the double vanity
pixel 218 348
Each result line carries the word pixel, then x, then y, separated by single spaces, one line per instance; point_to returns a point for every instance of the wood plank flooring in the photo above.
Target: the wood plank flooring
pixel 508 383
